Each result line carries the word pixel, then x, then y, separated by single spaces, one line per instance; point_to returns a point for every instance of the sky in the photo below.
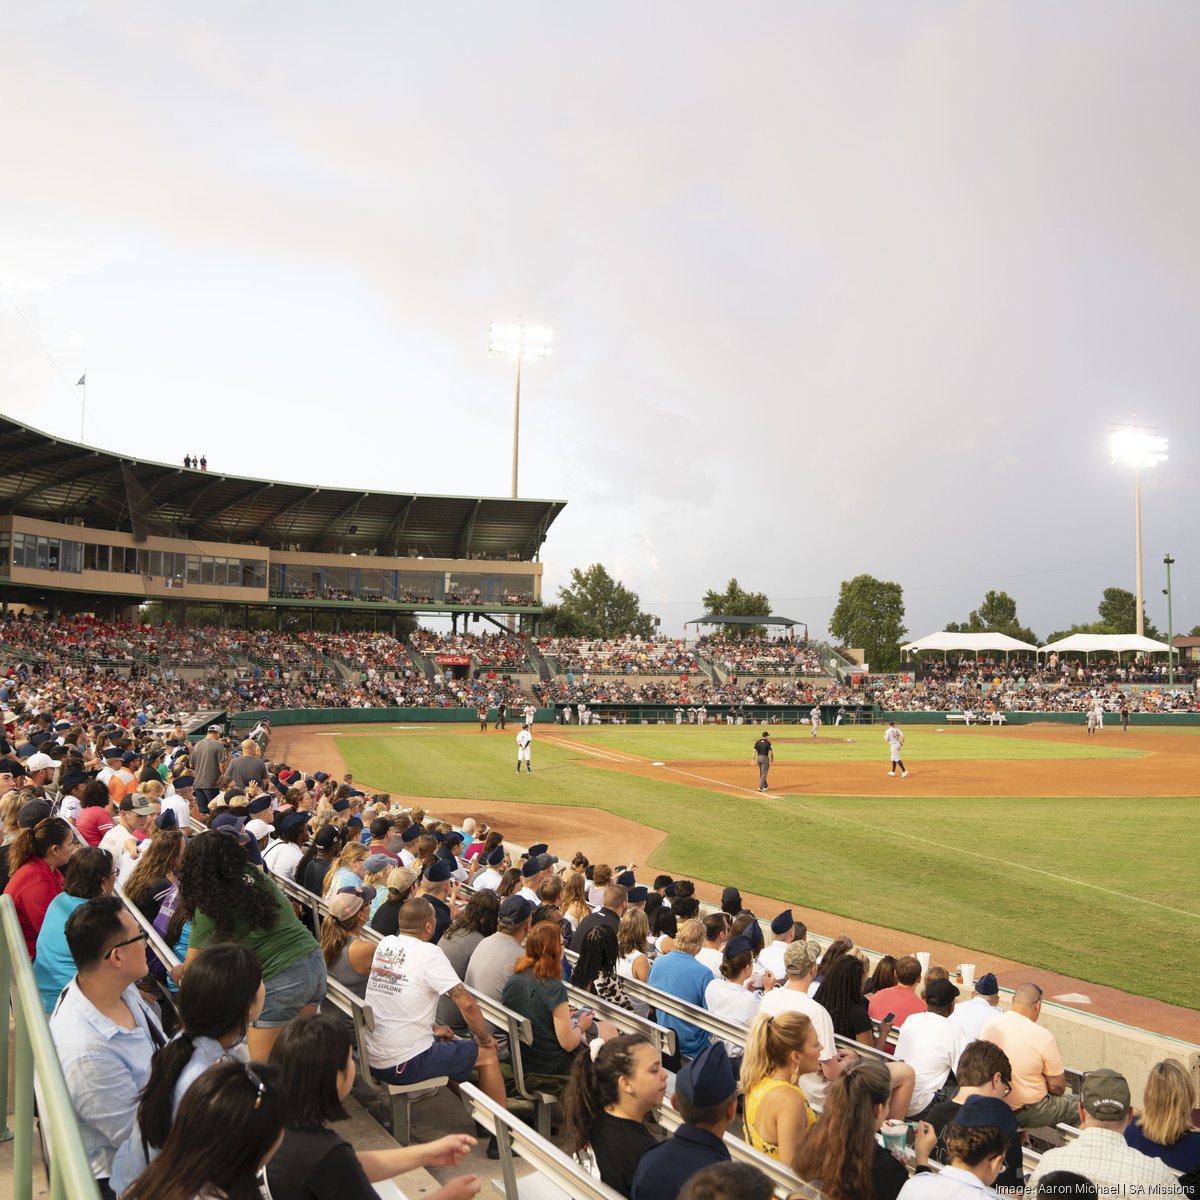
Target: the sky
pixel 834 288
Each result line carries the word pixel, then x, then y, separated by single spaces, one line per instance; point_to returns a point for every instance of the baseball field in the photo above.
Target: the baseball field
pixel 1041 845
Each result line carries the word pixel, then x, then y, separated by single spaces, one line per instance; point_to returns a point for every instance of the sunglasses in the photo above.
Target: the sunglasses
pixel 141 937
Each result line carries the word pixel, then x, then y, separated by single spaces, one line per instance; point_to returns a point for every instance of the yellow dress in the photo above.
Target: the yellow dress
pixel 754 1098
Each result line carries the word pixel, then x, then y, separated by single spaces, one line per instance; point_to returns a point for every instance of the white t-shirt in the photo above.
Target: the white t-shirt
pixel 283 858
pixel 114 842
pixel 770 958
pixel 179 806
pixel 971 1015
pixel 407 977
pixel 69 808
pixel 931 1045
pixel 784 999
pixel 488 880
pixel 734 1003
pixel 712 959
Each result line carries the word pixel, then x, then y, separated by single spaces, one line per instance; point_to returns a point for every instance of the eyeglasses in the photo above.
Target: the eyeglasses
pixel 141 937
pixel 258 1083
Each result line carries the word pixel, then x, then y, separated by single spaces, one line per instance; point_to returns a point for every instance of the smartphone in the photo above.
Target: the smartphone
pixel 583 1012
pixel 888 1018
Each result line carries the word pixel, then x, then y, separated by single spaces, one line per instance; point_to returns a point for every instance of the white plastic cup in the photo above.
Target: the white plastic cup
pixel 923 959
pixel 968 975
pixel 895 1136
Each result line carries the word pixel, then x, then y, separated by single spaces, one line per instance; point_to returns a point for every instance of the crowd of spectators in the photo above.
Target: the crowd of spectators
pixel 403 596
pixel 624 656
pixel 492 651
pixel 236 1046
pixel 760 656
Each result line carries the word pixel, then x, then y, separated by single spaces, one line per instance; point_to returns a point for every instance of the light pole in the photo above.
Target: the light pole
pixel 1137 447
pixel 1168 560
pixel 518 341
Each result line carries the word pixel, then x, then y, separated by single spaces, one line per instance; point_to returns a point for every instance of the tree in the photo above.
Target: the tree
pixel 1118 611
pixel 997 614
pixel 870 616
pixel 595 605
pixel 734 601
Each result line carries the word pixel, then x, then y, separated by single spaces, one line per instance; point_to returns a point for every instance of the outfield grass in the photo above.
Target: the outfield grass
pixel 1103 890
pixel 846 743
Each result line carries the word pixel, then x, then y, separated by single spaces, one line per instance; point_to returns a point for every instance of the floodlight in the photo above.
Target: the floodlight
pixel 1137 447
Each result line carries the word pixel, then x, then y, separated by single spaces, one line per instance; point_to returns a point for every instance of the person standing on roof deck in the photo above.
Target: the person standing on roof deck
pixel 895 740
pixel 524 742
pixel 764 755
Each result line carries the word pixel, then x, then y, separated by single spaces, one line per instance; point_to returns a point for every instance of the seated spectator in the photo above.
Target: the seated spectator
pixel 901 999
pixel 777 1112
pixel 1100 1152
pixel 230 900
pixel 573 903
pixel 610 912
pixel 36 857
pixel 465 934
pixel 346 952
pixel 1039 1083
pixel 1063 1185
pixel 976 1141
pixel 219 999
pixel 841 996
pixel 983 1070
pixel 401 887
pixel 234 1108
pixel 706 1098
pixel 88 874
pixel 1164 1128
pixel 124 838
pixel 595 971
pixel 783 933
pixel 408 975
pixel 348 870
pixel 607 1103
pixel 284 855
pixel 104 1032
pixel 931 1044
pixel 156 872
pixel 971 1015
pixel 679 974
pixel 884 975
pixel 95 816
pixel 438 887
pixel 728 1181
pixel 839 947
pixel 319 858
pixel 840 1153
pixel 729 996
pixel 315 1060
pixel 535 990
pixel 716 933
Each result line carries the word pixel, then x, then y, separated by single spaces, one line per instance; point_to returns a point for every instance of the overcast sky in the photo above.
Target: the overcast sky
pixel 835 288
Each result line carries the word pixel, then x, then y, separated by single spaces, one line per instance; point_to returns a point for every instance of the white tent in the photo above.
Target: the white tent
pixel 973 642
pixel 1105 643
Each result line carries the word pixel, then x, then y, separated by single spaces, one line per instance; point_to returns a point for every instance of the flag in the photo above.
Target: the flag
pixel 82 380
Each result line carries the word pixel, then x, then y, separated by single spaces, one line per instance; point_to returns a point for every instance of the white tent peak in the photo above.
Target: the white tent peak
pixel 1106 643
pixel 967 641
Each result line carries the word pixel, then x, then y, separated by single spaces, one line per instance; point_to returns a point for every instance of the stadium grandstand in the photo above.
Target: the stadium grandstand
pixel 90 530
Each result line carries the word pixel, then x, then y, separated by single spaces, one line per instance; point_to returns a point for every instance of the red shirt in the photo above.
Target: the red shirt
pixel 899 1000
pixel 32 888
pixel 94 823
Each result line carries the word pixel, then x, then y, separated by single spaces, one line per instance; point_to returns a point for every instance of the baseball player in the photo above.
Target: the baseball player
pixel 482 713
pixel 895 740
pixel 530 712
pixel 815 719
pixel 524 742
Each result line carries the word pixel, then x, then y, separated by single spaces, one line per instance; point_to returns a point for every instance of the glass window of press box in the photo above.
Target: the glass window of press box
pixel 406 587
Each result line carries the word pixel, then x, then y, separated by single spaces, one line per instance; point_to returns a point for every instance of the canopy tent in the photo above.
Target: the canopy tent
pixel 709 619
pixel 973 642
pixel 1105 643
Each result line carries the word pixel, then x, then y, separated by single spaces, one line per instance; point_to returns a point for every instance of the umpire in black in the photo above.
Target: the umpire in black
pixel 764 755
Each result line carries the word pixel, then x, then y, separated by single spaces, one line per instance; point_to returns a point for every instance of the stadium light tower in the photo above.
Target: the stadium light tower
pixel 1140 448
pixel 519 342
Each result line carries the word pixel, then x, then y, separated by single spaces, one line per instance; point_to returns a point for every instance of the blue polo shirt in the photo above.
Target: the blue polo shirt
pixel 682 976
pixel 665 1168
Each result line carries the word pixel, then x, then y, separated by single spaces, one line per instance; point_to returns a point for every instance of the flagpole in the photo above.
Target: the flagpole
pixel 82 408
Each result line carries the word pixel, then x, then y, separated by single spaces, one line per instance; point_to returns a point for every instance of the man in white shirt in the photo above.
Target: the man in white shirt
pixel 783 933
pixel 531 877
pixel 931 1044
pixel 524 741
pixel 120 841
pixel 409 839
pixel 489 878
pixel 408 974
pixel 971 1015
pixel 716 933
pixel 1100 1152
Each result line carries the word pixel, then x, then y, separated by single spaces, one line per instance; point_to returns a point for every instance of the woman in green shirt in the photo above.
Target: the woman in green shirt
pixel 231 900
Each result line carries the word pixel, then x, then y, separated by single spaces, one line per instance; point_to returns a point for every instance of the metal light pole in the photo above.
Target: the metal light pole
pixel 1137 447
pixel 517 341
pixel 1168 560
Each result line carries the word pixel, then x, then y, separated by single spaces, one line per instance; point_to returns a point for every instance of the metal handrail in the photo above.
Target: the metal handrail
pixel 36 1057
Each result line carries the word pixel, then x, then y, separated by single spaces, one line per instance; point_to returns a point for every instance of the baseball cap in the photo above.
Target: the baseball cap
pixel 799 956
pixel 328 837
pixel 259 829
pixel 941 993
pixel 72 779
pixel 375 863
pixel 33 812
pixel 214 729
pixel 987 1112
pixel 40 762
pixel 986 985
pixel 167 819
pixel 11 766
pixel 228 821
pixel 348 901
pixel 130 756
pixel 136 804
pixel 515 910
pixel 401 878
pixel 1105 1094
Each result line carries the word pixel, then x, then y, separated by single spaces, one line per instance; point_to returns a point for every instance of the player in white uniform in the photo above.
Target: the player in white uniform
pixel 524 742
pixel 815 718
pixel 895 740
pixel 530 713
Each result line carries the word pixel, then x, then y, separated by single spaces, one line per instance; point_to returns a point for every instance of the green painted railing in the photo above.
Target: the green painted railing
pixel 70 1173
pixel 374 716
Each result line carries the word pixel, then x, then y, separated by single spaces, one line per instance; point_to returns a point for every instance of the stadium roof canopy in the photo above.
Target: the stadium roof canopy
pixel 1105 643
pixel 709 619
pixel 967 641
pixel 45 477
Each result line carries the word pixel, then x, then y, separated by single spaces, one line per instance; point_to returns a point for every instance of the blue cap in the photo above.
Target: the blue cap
pixel 167 819
pixel 782 923
pixel 228 821
pixel 496 857
pixel 184 781
pixel 669 891
pixel 637 895
pixel 260 804
pixel 708 1080
pixel 515 910
pixel 737 945
pixel 411 834
pixel 985 1112
pixel 341 805
pixel 986 985
pixel 540 848
pixel 438 871
pixel 626 879
pixel 531 868
pixel 293 821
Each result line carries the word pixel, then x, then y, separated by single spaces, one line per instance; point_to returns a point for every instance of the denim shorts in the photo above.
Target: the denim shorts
pixel 455 1058
pixel 289 991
